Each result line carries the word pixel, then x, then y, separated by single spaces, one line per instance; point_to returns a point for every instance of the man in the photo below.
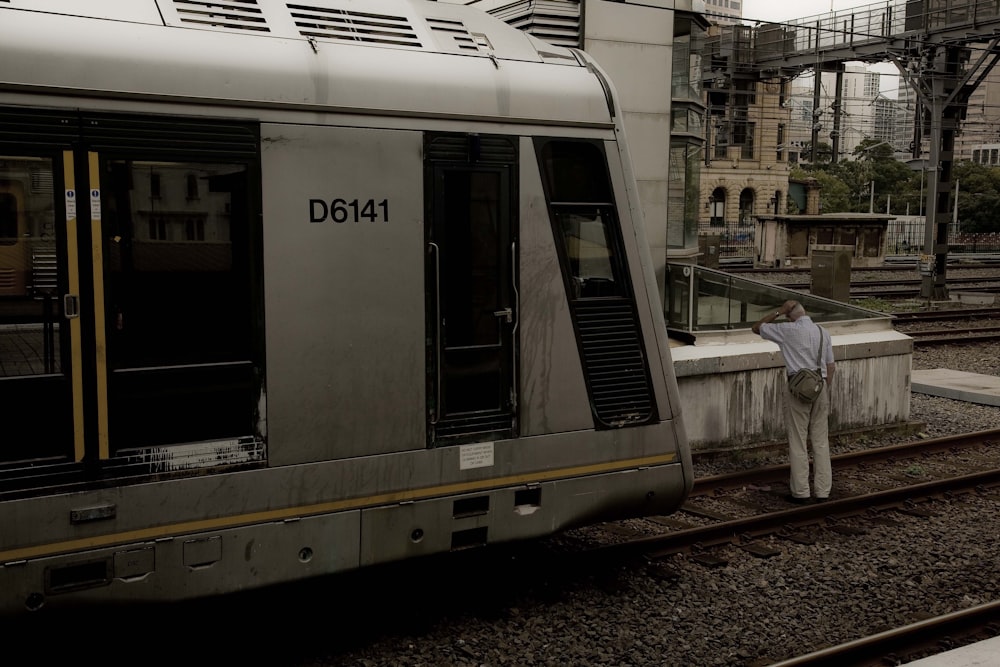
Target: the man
pixel 799 341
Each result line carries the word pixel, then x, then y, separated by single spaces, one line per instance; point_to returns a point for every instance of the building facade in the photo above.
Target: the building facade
pixel 745 168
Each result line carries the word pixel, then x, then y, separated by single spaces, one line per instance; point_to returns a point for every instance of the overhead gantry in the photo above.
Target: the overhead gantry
pixel 932 44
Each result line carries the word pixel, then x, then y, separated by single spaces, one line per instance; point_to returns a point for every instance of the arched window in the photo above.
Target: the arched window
pixel 717 207
pixel 747 197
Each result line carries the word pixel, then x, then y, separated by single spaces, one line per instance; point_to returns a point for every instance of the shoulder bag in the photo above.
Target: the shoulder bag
pixel 807 384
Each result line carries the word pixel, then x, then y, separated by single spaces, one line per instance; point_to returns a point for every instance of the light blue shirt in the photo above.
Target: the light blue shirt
pixel 799 343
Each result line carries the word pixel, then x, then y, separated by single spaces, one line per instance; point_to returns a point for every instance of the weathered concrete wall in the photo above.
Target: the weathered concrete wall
pixel 732 391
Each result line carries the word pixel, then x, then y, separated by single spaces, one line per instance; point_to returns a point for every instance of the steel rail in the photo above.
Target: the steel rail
pixel 705 485
pixel 926 338
pixel 937 315
pixel 883 648
pixel 743 530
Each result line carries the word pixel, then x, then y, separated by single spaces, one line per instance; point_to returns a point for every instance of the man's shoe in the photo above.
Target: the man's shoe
pixel 822 500
pixel 796 500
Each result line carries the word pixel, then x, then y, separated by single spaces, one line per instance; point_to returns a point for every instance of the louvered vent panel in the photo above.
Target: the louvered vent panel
pixel 474 425
pixel 554 22
pixel 461 148
pixel 41 181
pixel 156 136
pixel 558 33
pixel 38 127
pixel 456 30
pixel 44 269
pixel 231 14
pixel 614 361
pixel 341 25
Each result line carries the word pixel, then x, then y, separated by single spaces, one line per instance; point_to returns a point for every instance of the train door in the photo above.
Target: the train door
pixel 37 334
pixel 182 322
pixel 147 342
pixel 472 295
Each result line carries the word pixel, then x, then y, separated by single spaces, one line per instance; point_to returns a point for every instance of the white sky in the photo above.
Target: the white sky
pixel 785 10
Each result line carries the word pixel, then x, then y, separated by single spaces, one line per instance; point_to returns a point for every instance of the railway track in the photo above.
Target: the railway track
pixel 947 315
pixel 901 289
pixel 956 335
pixel 966 284
pixel 906 644
pixel 904 283
pixel 956 326
pixel 882 486
pixel 743 507
pixel 899 267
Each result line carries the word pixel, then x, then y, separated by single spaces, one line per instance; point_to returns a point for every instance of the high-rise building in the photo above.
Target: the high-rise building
pixel 724 12
pixel 865 113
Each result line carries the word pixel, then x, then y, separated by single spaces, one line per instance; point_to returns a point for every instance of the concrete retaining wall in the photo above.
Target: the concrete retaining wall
pixel 732 385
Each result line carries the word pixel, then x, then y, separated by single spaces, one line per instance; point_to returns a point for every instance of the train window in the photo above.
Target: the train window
pixel 580 198
pixel 586 227
pixel 31 345
pixel 587 242
pixel 8 219
pixel 174 293
pixel 574 172
pixel 179 300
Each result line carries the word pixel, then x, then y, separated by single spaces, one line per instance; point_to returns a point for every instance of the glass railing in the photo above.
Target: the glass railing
pixel 704 299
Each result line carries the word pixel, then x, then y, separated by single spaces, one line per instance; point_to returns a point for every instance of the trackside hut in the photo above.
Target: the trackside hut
pixel 789 240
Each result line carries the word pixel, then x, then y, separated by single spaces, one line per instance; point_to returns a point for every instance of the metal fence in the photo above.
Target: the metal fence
pixel 903 237
pixel 906 237
pixel 736 239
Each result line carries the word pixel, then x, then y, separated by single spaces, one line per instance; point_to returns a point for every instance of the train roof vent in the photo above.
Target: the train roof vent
pixel 230 14
pixel 342 25
pixel 460 37
pixel 555 22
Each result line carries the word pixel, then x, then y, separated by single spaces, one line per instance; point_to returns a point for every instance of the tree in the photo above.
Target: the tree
pixel 896 185
pixel 823 155
pixel 857 178
pixel 873 149
pixel 834 194
pixel 978 197
pixel 889 175
pixel 978 212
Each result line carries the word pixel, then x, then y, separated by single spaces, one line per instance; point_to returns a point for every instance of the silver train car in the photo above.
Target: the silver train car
pixel 304 288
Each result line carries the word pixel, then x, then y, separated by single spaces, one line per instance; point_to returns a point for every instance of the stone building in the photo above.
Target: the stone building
pixel 745 166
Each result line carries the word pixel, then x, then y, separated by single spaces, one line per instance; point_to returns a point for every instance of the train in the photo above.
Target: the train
pixel 298 289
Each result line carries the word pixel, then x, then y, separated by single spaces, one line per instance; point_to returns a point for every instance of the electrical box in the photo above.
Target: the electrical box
pixel 831 271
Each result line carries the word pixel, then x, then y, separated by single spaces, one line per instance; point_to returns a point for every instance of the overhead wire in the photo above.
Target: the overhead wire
pixel 804 122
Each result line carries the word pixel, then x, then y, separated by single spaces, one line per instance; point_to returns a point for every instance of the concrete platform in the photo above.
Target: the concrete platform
pixel 982 654
pixel 957 385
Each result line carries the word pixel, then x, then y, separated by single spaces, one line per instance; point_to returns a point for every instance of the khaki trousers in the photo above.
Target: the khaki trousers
pixel 809 421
